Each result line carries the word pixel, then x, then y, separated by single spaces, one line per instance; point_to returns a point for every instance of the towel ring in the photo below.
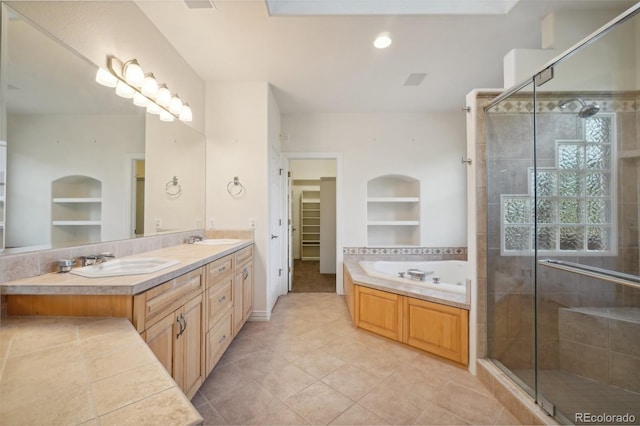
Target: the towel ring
pixel 177 188
pixel 235 188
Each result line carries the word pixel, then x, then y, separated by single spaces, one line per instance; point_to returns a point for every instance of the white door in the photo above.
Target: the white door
pixel 289 229
pixel 276 224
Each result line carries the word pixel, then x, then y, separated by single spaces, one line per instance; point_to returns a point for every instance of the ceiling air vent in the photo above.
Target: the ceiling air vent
pixel 199 4
pixel 415 79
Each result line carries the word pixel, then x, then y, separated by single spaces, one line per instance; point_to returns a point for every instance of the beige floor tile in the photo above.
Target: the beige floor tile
pixel 279 414
pixel 199 399
pixel 292 350
pixel 211 415
pixel 413 385
pixel 357 415
pixel 244 403
pixel 286 381
pixel 159 409
pixel 387 404
pixel 471 406
pixel 222 380
pixel 377 363
pixel 345 349
pixel 259 364
pixel 125 388
pixel 352 381
pixel 506 418
pixel 319 404
pixel 241 348
pixel 319 363
pixel 435 415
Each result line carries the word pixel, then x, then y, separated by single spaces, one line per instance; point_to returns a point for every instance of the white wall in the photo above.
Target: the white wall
pixel 427 147
pixel 100 28
pixel 237 145
pixel 45 148
pixel 589 69
pixel 174 149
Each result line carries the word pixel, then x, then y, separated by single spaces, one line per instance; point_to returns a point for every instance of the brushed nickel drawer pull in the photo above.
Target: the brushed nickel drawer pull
pixel 222 268
pixel 222 299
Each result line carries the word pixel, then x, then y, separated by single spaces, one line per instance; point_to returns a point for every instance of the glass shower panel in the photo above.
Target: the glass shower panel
pixel 587 153
pixel 510 236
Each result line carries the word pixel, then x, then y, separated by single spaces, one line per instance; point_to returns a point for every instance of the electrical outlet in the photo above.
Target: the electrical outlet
pixel 212 223
pixel 158 222
pixel 252 223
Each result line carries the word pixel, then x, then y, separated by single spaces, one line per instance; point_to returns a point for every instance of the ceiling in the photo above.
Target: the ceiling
pixel 327 63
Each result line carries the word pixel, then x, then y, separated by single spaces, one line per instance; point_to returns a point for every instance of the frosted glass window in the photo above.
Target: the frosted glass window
pixel 569 207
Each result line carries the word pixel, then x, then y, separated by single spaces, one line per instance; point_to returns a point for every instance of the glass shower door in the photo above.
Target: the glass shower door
pixel 587 186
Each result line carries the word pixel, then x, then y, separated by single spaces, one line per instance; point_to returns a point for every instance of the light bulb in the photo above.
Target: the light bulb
pixel 105 78
pixel 123 90
pixel 133 73
pixel 185 113
pixel 164 95
pixel 140 100
pixel 150 86
pixel 176 105
pixel 154 108
pixel 382 41
pixel 165 116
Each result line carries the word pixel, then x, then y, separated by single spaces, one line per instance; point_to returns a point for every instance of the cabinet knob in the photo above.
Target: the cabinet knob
pixel 222 339
pixel 222 299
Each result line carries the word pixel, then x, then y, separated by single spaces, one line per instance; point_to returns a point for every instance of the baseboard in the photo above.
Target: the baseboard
pixel 260 316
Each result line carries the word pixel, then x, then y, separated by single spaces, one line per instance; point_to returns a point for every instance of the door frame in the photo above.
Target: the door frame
pixel 130 190
pixel 337 156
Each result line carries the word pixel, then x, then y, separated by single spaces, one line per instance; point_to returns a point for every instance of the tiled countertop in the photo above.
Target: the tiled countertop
pixel 191 256
pixel 69 370
pixel 360 277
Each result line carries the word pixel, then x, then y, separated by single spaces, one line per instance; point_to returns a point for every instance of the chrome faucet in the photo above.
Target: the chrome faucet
pixel 94 259
pixel 417 274
pixel 192 239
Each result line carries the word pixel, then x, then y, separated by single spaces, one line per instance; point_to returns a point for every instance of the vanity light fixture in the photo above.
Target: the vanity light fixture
pixel 131 82
pixel 382 41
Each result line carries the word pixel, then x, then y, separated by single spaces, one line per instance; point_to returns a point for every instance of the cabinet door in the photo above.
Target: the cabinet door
pixel 161 337
pixel 247 290
pixel 218 340
pixel 192 345
pixel 439 329
pixel 219 300
pixel 379 312
pixel 238 310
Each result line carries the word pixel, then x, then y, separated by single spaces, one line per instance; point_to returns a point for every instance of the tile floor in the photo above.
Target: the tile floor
pixel 309 365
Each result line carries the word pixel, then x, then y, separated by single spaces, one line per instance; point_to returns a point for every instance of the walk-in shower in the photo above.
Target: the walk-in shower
pixel 562 240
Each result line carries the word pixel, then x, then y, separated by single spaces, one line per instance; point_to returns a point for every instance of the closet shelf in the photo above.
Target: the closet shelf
pixel 393 200
pixel 393 223
pixel 77 200
pixel 77 222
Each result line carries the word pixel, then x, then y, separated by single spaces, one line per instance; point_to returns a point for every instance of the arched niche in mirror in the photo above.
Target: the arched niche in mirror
pixel 59 122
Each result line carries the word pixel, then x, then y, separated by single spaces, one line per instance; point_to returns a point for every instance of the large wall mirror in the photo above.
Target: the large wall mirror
pixel 82 164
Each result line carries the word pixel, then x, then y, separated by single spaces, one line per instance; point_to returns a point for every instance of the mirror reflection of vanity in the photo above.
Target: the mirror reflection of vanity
pixel 82 164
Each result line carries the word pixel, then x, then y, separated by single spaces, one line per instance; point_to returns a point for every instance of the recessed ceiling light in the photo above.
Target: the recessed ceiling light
pixel 382 41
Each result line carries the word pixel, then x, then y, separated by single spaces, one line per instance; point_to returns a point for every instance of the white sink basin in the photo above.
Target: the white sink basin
pixel 218 241
pixel 131 266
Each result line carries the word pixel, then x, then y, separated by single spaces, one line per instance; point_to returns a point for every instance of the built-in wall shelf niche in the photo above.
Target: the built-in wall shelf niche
pixel 393 211
pixel 310 221
pixel 76 210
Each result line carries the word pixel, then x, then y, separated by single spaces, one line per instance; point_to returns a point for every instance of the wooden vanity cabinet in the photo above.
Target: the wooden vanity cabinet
pixel 172 318
pixel 219 309
pixel 243 288
pixel 379 312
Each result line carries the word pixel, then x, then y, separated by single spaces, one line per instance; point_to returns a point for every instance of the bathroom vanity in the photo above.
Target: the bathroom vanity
pixel 433 321
pixel 187 314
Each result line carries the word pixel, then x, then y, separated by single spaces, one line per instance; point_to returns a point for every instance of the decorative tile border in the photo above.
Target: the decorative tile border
pixel 613 103
pixel 404 250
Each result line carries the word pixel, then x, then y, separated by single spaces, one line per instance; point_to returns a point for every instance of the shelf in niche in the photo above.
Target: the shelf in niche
pixel 393 200
pixel 77 200
pixel 77 222
pixel 393 223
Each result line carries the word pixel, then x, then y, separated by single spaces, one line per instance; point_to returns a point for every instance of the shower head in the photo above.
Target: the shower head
pixel 585 112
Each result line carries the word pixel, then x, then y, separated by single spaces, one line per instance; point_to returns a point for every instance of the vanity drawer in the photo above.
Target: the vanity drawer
pixel 219 300
pixel 218 269
pixel 167 297
pixel 243 256
pixel 218 340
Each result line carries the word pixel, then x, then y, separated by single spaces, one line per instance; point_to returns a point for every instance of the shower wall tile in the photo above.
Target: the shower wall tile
pixel 627 123
pixel 510 134
pixel 624 337
pixel 481 166
pixel 507 176
pixel 548 353
pixel 481 295
pixel 562 126
pixel 582 328
pixel 584 360
pixel 481 346
pixel 624 371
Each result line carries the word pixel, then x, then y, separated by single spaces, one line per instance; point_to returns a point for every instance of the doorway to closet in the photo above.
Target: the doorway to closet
pixel 312 219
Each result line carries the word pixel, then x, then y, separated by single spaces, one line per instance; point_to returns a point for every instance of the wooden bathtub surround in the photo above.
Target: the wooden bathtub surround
pixel 435 328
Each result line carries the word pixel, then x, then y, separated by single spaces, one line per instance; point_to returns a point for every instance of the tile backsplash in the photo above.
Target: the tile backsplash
pixel 406 253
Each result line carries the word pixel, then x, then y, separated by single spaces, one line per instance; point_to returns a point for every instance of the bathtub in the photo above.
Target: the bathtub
pixel 451 274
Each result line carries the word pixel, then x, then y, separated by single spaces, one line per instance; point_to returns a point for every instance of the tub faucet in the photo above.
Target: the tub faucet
pixel 417 274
